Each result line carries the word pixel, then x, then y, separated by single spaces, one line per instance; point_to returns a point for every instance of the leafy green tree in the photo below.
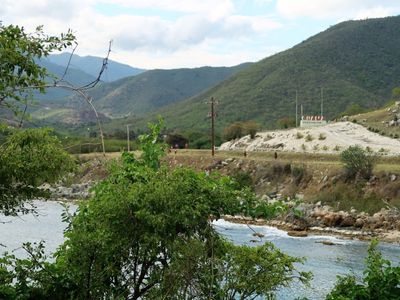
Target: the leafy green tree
pixel 233 131
pixel 353 109
pixel 381 280
pixel 251 128
pixel 286 122
pixel 239 129
pixel 29 158
pixel 146 234
pixel 19 72
pixel 357 162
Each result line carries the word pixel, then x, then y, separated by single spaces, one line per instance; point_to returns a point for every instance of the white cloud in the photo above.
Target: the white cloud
pixel 148 37
pixel 337 9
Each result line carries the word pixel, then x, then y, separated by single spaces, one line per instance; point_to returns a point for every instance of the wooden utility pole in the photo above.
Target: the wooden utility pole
pixel 212 115
pixel 127 137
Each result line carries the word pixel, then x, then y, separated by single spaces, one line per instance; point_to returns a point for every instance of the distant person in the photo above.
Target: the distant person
pixel 176 148
pixel 276 155
pixel 245 153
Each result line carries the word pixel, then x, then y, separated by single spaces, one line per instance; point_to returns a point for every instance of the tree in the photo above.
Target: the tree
pixel 233 131
pixel 19 72
pixel 29 158
pixel 146 234
pixel 357 162
pixel 238 129
pixel 251 128
pixel 286 122
pixel 381 280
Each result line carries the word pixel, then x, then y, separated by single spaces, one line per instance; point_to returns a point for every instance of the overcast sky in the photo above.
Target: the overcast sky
pixel 189 33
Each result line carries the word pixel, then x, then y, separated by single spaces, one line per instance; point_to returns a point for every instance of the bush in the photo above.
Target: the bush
pixel 357 162
pixel 243 180
pixel 298 173
pixel 322 137
pixel 299 135
pixel 381 280
pixel 309 138
pixel 239 129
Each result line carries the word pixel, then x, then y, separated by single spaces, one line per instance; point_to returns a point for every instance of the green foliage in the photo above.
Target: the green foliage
pixel 233 131
pixel 309 138
pixel 396 94
pixel 29 158
pixel 174 139
pixel 286 122
pixel 381 280
pixel 357 162
pixel 353 109
pixel 19 72
pixel 154 89
pixel 146 234
pixel 243 179
pixel 239 129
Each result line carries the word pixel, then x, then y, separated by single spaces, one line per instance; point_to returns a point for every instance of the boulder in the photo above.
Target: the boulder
pixel 298 233
pixel 348 221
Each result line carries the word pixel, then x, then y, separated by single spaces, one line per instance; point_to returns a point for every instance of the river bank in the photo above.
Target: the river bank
pixel 327 202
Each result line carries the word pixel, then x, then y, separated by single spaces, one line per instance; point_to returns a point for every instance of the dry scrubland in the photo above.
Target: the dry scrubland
pixel 330 139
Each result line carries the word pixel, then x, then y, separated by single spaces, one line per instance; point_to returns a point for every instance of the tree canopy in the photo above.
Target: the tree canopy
pixel 147 234
pixel 19 71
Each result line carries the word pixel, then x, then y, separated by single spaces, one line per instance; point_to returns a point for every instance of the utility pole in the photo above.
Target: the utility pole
pixel 212 102
pixel 296 109
pixel 301 110
pixel 322 101
pixel 127 137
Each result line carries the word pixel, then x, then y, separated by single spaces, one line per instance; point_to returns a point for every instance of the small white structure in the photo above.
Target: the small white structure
pixel 312 121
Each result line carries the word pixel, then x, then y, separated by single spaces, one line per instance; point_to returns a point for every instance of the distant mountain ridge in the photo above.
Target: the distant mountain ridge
pixel 154 89
pixel 92 65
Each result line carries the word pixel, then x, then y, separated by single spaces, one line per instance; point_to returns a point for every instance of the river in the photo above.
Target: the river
pixel 324 261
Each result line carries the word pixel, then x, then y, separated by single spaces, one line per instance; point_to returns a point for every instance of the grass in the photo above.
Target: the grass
pixel 373 121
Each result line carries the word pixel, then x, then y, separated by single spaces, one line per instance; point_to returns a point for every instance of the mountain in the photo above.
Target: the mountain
pixel 153 89
pixel 355 62
pixel 92 65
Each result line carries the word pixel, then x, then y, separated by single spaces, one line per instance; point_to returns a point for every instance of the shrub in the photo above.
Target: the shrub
pixel 309 138
pixel 303 147
pixel 322 137
pixel 357 162
pixel 381 280
pixel 233 131
pixel 316 148
pixel 251 128
pixel 298 173
pixel 299 135
pixel 337 148
pixel 243 179
pixel 325 148
pixel 239 129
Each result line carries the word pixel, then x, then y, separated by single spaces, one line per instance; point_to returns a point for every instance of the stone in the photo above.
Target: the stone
pixel 258 234
pixel 348 221
pixel 393 177
pixel 297 233
pixel 359 223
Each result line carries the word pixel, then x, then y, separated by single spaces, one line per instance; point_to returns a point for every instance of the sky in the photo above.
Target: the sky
pixel 170 34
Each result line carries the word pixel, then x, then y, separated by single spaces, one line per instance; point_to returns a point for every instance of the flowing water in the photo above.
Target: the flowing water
pixel 324 261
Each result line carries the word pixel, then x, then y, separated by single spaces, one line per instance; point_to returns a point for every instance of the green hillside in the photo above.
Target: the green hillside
pixel 354 61
pixel 157 88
